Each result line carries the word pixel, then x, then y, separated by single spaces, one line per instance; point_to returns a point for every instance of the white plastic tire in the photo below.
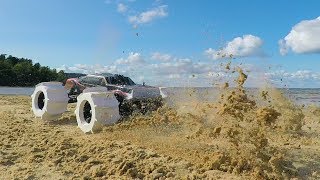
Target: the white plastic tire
pixel 104 110
pixel 49 100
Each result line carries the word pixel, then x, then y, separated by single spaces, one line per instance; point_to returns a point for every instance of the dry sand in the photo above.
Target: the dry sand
pixel 239 136
pixel 192 141
pixel 33 149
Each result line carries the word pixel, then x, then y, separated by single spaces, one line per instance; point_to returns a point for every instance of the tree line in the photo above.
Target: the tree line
pixel 23 72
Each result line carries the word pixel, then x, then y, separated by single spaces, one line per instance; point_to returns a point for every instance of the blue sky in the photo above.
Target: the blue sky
pixel 167 42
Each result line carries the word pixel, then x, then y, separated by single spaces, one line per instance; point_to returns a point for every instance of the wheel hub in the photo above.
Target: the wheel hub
pixel 87 112
pixel 41 100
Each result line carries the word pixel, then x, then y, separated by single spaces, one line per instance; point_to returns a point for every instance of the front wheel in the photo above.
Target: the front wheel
pixel 96 109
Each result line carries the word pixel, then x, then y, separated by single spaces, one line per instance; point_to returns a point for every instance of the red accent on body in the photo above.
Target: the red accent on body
pixel 121 93
pixel 72 82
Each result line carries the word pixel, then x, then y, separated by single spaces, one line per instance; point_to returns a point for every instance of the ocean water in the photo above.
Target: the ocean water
pixel 16 90
pixel 304 95
pixel 300 96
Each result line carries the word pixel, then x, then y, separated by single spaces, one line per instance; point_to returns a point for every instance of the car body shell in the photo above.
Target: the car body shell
pixel 123 91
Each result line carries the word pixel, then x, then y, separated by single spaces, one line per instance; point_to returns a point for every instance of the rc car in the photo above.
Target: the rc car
pixel 102 99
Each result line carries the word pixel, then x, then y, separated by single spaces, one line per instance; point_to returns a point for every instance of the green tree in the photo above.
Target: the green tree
pixel 61 76
pixel 22 72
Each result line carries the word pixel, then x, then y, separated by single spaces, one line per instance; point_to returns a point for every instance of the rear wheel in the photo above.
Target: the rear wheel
pixel 49 100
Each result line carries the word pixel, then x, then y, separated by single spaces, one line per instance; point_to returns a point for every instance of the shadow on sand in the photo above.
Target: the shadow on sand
pixel 69 120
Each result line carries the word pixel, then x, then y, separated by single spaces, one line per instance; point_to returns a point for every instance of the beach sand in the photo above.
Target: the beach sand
pixel 194 140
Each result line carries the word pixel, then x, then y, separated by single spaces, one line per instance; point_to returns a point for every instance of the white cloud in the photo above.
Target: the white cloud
pixel 283 47
pixel 180 66
pixel 297 79
pixel 108 1
pixel 122 8
pixel 245 46
pixel 126 66
pixel 150 15
pixel 303 38
pixel 177 71
pixel 117 1
pixel 185 72
pixel 89 69
pixel 161 57
pixel 174 76
pixel 297 75
pixel 132 59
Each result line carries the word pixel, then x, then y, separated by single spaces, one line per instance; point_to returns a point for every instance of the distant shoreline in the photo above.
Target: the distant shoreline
pixel 17 86
pixel 16 91
pixel 187 87
pixel 297 95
